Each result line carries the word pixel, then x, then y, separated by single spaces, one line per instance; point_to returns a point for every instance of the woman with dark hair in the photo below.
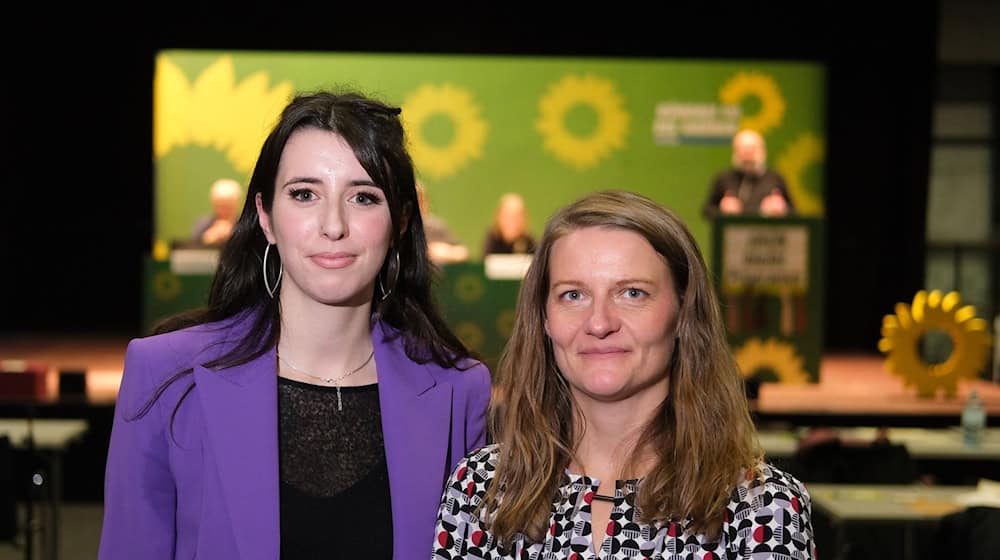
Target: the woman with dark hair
pixel 621 424
pixel 316 406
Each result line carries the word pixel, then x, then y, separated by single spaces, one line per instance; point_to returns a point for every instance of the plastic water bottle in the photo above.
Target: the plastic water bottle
pixel 973 420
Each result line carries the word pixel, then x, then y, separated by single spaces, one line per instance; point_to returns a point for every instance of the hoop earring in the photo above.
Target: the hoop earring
pixel 281 269
pixel 395 278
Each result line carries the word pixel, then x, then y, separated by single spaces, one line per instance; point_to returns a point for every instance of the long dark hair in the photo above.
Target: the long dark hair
pixel 374 132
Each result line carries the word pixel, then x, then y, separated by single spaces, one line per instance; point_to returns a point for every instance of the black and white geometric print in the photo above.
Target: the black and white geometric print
pixel 766 518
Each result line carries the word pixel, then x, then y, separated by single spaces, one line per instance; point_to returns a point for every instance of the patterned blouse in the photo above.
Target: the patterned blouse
pixel 766 518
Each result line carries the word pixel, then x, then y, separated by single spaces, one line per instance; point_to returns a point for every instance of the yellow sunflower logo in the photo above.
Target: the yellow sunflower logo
pixel 470 334
pixel 591 91
pixel 166 285
pixel 765 89
pixel 469 288
pixel 467 141
pixel 902 332
pixel 779 357
pixel 215 111
pixel 806 150
pixel 505 322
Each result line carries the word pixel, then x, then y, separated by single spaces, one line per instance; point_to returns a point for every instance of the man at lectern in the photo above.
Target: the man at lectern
pixel 749 187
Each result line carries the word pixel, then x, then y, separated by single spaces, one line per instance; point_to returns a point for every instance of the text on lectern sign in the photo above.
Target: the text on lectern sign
pixel 766 257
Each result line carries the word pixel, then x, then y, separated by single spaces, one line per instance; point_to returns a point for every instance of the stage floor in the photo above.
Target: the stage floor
pixel 854 384
pixel 849 385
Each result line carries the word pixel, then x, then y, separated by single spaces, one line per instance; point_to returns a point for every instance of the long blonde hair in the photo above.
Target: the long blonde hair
pixel 702 434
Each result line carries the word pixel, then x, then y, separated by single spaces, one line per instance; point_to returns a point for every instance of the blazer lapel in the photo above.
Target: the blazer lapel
pixel 416 420
pixel 241 416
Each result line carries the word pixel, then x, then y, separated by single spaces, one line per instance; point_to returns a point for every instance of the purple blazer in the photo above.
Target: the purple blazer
pixel 208 488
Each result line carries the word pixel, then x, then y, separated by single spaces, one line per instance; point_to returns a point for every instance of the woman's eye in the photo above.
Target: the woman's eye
pixel 634 293
pixel 302 195
pixel 366 198
pixel 572 295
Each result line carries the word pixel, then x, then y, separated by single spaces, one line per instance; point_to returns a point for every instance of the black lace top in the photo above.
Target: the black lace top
pixel 334 483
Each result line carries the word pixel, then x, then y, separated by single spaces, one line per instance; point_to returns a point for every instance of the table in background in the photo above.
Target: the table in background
pixel 909 506
pixel 938 454
pixel 51 436
pixel 922 443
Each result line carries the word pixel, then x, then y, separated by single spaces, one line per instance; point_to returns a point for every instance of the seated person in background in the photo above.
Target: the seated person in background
pixel 442 246
pixel 749 187
pixel 620 425
pixel 509 232
pixel 214 230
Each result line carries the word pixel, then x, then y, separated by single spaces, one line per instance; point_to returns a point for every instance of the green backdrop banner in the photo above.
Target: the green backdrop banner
pixel 478 126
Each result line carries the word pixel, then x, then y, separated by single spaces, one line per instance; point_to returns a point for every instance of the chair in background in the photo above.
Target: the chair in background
pixel 970 533
pixel 8 500
pixel 827 459
pixel 833 460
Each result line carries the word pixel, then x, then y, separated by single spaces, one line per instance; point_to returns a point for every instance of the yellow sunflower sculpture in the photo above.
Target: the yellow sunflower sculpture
pixel 902 332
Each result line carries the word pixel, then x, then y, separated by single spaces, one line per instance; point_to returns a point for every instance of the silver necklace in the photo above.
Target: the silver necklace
pixel 335 381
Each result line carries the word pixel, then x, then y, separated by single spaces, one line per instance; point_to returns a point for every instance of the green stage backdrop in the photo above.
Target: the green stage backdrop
pixel 478 126
pixel 551 129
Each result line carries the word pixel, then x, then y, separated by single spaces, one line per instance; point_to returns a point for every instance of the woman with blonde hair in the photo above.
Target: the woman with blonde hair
pixel 621 423
pixel 509 232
